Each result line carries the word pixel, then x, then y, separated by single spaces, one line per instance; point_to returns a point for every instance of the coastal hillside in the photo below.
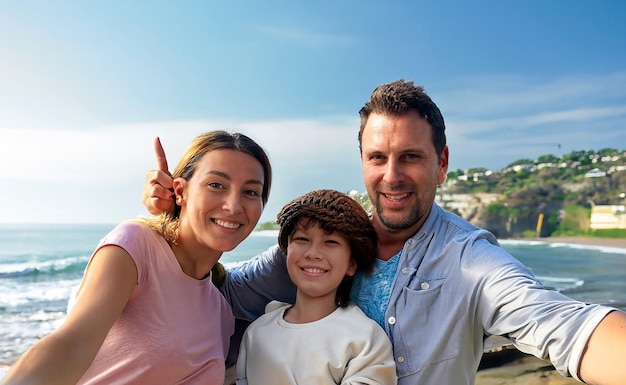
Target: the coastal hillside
pixel 556 193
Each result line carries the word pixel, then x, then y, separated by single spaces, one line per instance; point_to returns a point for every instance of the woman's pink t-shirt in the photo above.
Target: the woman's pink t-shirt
pixel 174 329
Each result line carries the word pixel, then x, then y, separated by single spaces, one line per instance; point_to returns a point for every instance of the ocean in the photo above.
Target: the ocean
pixel 40 266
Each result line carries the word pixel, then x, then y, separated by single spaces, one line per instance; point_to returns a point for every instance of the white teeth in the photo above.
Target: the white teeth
pixel 228 225
pixel 396 197
pixel 315 271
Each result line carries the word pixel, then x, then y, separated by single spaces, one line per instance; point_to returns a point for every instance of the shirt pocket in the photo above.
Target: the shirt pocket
pixel 427 324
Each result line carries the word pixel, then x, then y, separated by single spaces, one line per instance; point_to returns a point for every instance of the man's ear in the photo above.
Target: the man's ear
pixel 179 184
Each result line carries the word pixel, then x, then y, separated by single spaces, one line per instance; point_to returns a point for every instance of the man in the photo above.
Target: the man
pixel 441 285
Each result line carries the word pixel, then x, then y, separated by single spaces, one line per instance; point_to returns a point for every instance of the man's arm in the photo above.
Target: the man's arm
pixel 252 285
pixel 581 340
pixel 603 360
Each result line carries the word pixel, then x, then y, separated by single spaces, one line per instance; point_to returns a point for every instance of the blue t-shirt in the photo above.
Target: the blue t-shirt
pixel 371 292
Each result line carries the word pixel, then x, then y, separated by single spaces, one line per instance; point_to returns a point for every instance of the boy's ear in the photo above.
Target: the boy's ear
pixel 179 185
pixel 351 268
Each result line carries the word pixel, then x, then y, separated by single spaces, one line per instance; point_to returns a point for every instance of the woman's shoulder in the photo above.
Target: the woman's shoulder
pixel 133 236
pixel 134 224
pixel 134 228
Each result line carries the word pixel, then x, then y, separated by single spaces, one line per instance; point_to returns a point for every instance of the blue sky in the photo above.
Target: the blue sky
pixel 86 86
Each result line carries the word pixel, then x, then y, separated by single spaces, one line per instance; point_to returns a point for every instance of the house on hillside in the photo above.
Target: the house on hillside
pixel 608 217
pixel 595 173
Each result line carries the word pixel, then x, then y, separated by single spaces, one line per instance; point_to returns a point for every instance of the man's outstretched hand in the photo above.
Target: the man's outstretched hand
pixel 157 193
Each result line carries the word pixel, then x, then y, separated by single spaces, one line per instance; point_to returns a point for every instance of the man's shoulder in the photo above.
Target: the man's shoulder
pixel 459 228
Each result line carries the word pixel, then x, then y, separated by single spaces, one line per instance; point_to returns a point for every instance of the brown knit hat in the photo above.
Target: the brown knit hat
pixel 333 211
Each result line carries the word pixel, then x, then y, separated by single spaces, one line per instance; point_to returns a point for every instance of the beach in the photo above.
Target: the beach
pixel 606 242
pixel 513 367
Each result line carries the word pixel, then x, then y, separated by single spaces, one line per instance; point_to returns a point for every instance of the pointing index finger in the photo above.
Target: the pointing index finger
pixel 160 156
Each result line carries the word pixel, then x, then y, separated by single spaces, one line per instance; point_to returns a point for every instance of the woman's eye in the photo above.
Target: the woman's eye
pixel 216 185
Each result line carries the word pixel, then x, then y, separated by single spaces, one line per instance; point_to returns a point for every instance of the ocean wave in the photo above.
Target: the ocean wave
pixel 266 233
pixel 602 249
pixel 25 296
pixel 55 267
pixel 561 283
pixel 520 242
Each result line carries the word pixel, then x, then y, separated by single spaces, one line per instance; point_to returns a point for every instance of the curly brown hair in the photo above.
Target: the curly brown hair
pixel 332 211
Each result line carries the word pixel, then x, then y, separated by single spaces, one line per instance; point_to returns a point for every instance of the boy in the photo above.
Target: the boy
pixel 321 338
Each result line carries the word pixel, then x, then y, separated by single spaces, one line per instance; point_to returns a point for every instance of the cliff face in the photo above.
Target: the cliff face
pixel 468 206
pixel 497 214
pixel 473 208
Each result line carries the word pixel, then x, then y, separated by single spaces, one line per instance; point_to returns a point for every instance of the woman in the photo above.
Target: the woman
pixel 140 315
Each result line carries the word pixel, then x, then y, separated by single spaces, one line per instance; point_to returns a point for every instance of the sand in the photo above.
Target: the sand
pixel 518 368
pixel 607 242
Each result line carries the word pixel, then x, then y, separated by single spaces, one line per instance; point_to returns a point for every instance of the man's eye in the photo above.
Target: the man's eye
pixel 253 193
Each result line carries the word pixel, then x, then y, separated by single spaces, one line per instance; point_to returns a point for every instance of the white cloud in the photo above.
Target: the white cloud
pixel 303 37
pixel 96 175
pixel 510 95
pixel 577 115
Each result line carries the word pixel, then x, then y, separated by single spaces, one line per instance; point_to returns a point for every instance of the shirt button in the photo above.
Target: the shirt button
pixel 405 271
pixel 392 320
pixel 400 359
pixel 425 286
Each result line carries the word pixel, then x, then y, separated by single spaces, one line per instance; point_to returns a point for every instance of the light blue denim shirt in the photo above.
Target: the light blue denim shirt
pixel 454 286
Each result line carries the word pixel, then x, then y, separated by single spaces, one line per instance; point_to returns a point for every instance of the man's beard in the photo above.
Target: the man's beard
pixel 412 217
